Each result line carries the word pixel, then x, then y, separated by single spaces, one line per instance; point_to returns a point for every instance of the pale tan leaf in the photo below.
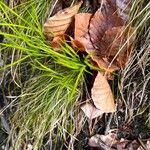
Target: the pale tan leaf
pixel 101 140
pixel 90 111
pixel 59 23
pixel 102 95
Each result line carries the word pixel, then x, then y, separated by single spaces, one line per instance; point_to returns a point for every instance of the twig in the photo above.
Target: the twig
pixel 142 144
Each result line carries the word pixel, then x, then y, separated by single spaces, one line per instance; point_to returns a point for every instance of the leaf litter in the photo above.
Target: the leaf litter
pixel 100 35
pixel 103 36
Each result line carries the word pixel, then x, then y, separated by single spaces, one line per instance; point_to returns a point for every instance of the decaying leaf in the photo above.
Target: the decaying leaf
pixel 102 35
pixel 117 45
pixel 58 24
pixel 102 95
pixel 114 38
pixel 102 140
pixel 90 111
pixel 100 23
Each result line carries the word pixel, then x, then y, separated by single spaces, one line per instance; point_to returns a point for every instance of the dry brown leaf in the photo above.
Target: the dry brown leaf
pixel 102 35
pixel 101 140
pixel 59 23
pixel 102 95
pixel 90 111
pixel 78 45
pixel 81 35
pixel 57 42
pixel 100 23
pixel 81 24
pixel 115 39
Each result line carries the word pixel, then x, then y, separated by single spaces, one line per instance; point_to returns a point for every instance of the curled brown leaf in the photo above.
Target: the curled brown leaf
pixel 99 24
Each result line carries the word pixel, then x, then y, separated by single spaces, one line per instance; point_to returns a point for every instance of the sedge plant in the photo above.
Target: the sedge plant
pixel 46 108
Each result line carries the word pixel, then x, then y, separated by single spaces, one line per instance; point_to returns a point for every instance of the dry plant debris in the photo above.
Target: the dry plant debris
pixel 90 111
pixel 99 140
pixel 103 36
pixel 111 142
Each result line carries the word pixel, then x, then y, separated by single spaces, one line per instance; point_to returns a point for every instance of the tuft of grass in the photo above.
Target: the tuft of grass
pixel 50 83
pixel 47 107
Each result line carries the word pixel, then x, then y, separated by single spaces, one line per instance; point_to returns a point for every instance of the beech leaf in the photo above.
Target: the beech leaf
pixel 81 35
pixel 102 95
pixel 116 39
pixel 100 23
pixel 90 111
pixel 59 23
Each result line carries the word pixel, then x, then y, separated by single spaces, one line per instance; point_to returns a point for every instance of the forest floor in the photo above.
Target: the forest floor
pixel 75 75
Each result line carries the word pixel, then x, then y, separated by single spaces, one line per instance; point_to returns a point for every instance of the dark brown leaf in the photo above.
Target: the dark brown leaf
pixel 99 24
